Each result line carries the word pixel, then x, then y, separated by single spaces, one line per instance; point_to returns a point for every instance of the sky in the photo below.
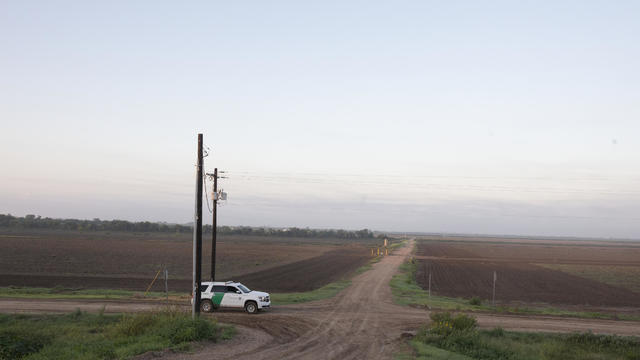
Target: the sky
pixel 493 117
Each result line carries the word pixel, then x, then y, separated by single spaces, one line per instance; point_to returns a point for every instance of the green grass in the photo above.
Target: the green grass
pixel 67 293
pixel 430 343
pixel 97 336
pixel 325 292
pixel 425 351
pixel 406 291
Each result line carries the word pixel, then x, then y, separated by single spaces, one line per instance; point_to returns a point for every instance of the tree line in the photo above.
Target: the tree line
pixel 38 222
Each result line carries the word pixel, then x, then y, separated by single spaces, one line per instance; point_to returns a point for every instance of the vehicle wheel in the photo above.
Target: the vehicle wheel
pixel 251 307
pixel 206 306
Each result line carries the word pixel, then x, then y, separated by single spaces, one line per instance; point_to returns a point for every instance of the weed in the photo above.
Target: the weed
pixel 475 301
pixel 97 336
pixel 496 332
pixel 16 344
pixel 445 323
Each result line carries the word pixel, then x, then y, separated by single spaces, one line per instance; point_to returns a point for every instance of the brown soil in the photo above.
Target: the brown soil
pixel 532 253
pixel 466 270
pixel 130 261
pixel 308 274
pixel 519 282
pixel 121 254
pixel 299 276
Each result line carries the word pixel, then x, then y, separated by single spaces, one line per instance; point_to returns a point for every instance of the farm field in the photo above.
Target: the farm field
pixel 622 276
pixel 120 260
pixel 581 273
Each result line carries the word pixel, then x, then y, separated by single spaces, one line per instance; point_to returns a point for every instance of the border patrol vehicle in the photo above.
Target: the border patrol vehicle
pixel 230 294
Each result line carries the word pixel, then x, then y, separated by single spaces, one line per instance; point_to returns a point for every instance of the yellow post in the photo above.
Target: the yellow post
pixel 154 280
pixel 378 251
pixel 386 252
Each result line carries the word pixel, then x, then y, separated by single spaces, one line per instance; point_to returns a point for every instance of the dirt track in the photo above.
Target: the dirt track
pixel 360 323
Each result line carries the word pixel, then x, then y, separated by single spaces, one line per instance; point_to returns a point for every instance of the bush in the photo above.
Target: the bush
pixel 605 343
pixel 496 332
pixel 134 325
pixel 475 301
pixel 18 344
pixel 444 323
pixel 187 330
pixel 80 335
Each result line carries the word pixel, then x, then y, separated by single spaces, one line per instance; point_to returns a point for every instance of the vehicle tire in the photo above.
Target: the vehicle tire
pixel 206 306
pixel 251 307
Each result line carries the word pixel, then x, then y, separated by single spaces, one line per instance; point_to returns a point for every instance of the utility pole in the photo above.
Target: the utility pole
pixel 214 229
pixel 214 223
pixel 197 235
pixel 495 277
pixel 166 285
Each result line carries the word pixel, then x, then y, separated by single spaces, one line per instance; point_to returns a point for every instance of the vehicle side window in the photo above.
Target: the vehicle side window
pixel 232 289
pixel 203 288
pixel 219 289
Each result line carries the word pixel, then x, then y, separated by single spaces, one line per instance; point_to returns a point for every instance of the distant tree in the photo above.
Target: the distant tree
pixel 36 222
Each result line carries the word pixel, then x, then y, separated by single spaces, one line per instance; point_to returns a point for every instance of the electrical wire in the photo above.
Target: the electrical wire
pixel 206 192
pixel 432 185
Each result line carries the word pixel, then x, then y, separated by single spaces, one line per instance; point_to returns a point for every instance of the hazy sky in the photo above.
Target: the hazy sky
pixel 451 116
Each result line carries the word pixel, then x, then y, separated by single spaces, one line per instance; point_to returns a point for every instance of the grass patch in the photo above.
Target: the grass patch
pixel 69 293
pixel 81 335
pixel 325 292
pixel 425 351
pixel 406 291
pixel 465 340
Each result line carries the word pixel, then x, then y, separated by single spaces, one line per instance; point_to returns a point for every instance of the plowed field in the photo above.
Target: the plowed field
pixel 465 269
pixel 130 261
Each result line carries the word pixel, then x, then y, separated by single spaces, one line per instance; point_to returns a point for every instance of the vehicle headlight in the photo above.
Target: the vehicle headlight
pixel 261 298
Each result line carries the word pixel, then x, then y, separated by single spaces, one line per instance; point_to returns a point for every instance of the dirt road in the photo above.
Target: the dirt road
pixel 359 323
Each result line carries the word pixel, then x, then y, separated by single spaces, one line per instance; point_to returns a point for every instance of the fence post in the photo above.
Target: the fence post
pixel 166 285
pixel 495 277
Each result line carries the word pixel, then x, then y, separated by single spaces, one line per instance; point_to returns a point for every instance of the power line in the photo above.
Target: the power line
pixel 206 193
pixel 439 186
pixel 388 175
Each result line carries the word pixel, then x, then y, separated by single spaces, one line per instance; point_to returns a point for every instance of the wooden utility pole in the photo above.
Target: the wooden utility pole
pixel 166 285
pixel 214 229
pixel 495 277
pixel 197 235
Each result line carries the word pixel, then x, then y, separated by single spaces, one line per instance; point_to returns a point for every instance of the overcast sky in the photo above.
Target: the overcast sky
pixel 504 117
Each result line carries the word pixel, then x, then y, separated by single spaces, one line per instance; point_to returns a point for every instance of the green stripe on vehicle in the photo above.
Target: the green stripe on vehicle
pixel 217 298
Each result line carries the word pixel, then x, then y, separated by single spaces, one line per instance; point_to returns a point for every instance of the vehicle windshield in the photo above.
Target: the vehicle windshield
pixel 244 288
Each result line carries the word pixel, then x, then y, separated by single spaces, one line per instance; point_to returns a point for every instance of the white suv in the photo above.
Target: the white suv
pixel 217 294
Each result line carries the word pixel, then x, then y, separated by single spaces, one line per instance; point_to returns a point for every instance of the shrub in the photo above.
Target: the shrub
pixel 444 323
pixel 134 325
pixel 185 329
pixel 18 344
pixel 475 301
pixel 496 332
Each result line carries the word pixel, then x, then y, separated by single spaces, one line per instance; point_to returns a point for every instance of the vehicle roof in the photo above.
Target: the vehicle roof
pixel 220 283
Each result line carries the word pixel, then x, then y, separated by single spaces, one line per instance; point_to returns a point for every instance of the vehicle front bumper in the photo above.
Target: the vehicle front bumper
pixel 264 304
